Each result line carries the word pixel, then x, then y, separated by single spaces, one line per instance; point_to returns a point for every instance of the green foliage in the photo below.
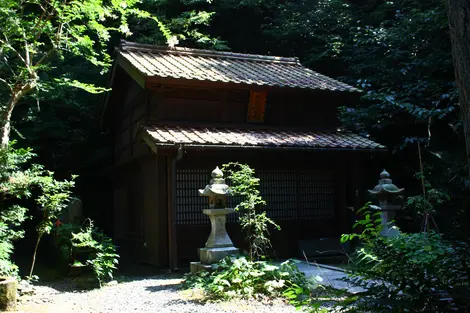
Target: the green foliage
pixel 426 203
pixel 369 225
pixel 37 35
pixel 19 181
pixel 15 183
pixel 187 20
pixel 241 278
pixel 53 199
pixel 7 267
pixel 33 31
pixel 255 224
pixel 88 246
pixel 408 273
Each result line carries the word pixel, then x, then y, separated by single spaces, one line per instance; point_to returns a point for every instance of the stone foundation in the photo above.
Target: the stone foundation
pixel 196 267
pixel 214 255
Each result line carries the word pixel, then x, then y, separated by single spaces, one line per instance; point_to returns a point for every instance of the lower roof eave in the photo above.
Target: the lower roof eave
pixel 192 146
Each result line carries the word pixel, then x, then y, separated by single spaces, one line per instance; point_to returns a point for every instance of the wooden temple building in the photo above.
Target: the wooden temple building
pixel 177 113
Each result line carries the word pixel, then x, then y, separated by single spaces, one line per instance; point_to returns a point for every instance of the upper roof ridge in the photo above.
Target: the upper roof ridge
pixel 133 46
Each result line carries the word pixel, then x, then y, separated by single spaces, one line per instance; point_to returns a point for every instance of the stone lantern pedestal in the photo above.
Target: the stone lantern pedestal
pixel 218 245
pixel 387 214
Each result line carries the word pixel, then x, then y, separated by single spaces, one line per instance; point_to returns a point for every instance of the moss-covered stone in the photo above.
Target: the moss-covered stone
pixel 8 288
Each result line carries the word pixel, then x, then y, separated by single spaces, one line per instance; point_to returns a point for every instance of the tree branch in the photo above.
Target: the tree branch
pixel 54 45
pixel 6 83
pixel 44 57
pixel 6 43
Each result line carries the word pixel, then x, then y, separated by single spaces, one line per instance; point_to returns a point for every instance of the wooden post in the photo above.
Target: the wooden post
pixel 171 196
pixel 172 249
pixel 340 194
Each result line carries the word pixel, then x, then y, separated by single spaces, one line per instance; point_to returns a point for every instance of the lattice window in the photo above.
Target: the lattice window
pixel 278 188
pixel 189 204
pixel 316 194
pixel 290 195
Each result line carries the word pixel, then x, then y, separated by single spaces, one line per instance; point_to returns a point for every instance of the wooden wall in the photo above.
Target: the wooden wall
pixel 192 236
pixel 131 112
pixel 139 175
pixel 313 109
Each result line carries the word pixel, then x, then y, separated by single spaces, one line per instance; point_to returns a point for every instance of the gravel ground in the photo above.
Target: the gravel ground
pixel 135 294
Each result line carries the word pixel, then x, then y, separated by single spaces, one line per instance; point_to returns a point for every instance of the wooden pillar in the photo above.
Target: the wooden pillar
pixel 340 194
pixel 172 242
pixel 162 190
pixel 357 185
pixel 171 201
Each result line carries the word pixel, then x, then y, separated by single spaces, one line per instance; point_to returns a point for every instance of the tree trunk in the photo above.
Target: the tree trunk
pixel 6 121
pixel 459 28
pixel 17 93
pixel 33 263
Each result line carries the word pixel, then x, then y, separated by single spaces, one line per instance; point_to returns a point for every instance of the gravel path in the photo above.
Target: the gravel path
pixel 136 294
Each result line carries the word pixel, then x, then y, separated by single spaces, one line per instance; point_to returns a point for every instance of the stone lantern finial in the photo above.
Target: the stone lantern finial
pixel 385 188
pixel 217 186
pixel 384 174
pixel 217 173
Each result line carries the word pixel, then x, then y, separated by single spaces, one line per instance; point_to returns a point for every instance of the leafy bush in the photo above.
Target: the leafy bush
pixel 254 223
pixel 20 180
pixel 241 278
pixel 88 247
pixel 419 271
pixel 408 273
pixel 15 184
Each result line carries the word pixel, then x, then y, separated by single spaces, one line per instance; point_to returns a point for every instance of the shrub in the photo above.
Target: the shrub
pixel 418 272
pixel 88 247
pixel 20 180
pixel 254 222
pixel 240 278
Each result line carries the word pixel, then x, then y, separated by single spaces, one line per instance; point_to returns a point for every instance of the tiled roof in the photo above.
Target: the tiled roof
pixel 226 67
pixel 245 137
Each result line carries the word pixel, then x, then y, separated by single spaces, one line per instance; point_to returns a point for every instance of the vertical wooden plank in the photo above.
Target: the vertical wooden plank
pixel 151 233
pixel 341 209
pixel 162 224
pixel 173 251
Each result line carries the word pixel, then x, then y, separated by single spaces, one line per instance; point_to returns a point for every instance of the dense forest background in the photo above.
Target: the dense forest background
pixel 397 52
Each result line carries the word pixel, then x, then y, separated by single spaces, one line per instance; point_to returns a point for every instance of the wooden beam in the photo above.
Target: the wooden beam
pixel 132 71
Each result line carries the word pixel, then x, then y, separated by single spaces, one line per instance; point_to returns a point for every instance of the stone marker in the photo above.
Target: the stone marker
pixel 218 245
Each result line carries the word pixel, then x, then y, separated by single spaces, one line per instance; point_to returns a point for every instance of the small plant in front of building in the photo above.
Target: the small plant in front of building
pixel 419 272
pixel 88 247
pixel 53 199
pixel 241 278
pixel 21 180
pixel 102 256
pixel 254 222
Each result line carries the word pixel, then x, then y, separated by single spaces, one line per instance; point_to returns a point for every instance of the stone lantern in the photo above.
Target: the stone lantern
pixel 387 193
pixel 218 245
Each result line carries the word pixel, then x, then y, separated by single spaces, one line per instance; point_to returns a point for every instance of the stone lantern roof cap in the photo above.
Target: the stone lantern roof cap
pixel 385 186
pixel 217 185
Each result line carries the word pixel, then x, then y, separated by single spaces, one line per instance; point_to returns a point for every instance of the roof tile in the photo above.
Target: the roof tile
pixel 216 66
pixel 246 137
